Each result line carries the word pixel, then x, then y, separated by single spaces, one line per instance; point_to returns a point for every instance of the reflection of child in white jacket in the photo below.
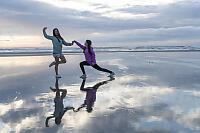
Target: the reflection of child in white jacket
pixel 59 107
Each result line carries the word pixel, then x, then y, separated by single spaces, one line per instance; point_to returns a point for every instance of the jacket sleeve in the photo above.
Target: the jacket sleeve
pixel 81 46
pixel 66 43
pixel 47 36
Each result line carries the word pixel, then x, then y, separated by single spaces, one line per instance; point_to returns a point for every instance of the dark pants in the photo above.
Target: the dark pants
pixel 94 66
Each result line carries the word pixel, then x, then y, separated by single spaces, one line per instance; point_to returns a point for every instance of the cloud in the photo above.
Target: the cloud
pixel 150 34
pixel 127 23
pixel 138 9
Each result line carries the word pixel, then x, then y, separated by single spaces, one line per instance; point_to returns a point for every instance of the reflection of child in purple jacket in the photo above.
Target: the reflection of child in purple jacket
pixel 90 99
pixel 90 95
pixel 90 59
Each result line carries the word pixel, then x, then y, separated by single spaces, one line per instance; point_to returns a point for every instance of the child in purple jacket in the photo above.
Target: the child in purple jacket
pixel 90 59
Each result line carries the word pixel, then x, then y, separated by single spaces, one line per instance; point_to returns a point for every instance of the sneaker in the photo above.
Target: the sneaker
pixel 58 76
pixel 83 76
pixel 111 75
pixel 52 63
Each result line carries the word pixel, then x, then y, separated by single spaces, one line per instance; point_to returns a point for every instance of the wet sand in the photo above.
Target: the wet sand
pixel 152 93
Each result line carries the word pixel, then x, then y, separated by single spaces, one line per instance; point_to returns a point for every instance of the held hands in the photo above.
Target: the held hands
pixel 73 42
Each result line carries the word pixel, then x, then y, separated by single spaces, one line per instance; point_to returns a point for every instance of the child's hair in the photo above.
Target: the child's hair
pixel 89 42
pixel 57 36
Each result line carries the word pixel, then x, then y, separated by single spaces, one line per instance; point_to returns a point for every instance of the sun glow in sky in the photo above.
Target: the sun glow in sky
pixel 86 4
pixel 144 20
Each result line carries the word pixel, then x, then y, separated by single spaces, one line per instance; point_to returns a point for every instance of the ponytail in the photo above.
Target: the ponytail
pixel 89 42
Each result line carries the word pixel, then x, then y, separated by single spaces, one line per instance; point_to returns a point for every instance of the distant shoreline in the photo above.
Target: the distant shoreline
pixel 11 54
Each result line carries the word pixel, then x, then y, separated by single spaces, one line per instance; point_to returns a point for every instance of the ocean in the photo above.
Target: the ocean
pixel 48 50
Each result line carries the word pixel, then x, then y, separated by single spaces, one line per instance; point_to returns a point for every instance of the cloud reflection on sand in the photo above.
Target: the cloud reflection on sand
pixel 191 119
pixel 141 99
pixel 11 106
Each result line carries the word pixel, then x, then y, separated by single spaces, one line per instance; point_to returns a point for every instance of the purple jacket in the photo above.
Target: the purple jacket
pixel 90 97
pixel 89 58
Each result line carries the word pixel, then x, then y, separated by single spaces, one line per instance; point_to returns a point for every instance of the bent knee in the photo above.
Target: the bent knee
pixel 81 63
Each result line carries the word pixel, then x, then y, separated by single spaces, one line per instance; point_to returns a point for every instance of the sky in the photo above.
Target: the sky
pixel 106 23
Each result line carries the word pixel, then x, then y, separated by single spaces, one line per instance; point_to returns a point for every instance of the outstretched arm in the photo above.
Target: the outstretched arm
pixel 68 108
pixel 80 45
pixel 45 34
pixel 82 106
pixel 66 43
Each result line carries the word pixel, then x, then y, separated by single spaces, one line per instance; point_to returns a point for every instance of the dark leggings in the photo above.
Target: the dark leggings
pixel 94 66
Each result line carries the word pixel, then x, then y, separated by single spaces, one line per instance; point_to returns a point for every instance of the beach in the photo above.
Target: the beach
pixel 153 92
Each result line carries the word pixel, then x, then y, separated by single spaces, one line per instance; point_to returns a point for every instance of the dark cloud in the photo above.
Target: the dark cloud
pixel 182 10
pixel 152 34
